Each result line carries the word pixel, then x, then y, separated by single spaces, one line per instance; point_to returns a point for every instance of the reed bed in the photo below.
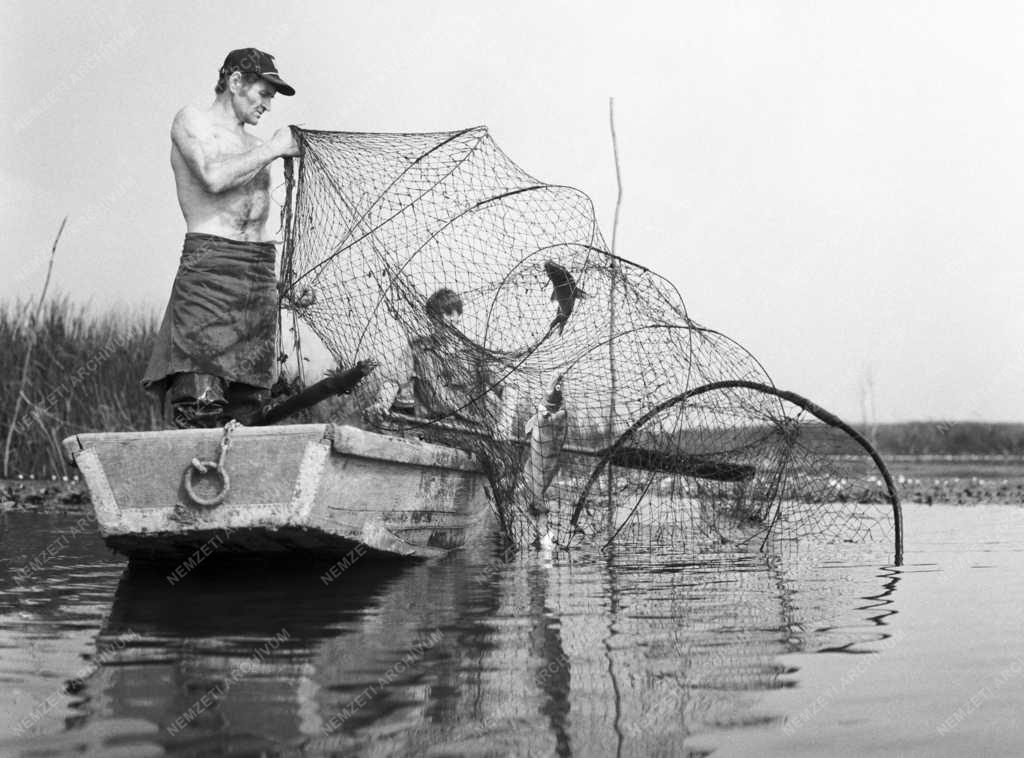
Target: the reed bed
pixel 83 376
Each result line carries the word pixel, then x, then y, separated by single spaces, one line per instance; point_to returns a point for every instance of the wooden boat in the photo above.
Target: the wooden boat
pixel 316 488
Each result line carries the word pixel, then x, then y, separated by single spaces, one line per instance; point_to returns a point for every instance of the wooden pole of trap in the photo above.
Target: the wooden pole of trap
pixel 611 321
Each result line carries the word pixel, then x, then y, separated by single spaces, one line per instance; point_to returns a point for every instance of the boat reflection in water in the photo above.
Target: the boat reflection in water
pixel 620 653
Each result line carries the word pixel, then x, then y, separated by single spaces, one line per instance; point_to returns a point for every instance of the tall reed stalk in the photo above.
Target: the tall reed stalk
pixel 30 331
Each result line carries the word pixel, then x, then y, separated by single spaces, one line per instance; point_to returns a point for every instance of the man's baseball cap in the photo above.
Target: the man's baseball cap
pixel 252 61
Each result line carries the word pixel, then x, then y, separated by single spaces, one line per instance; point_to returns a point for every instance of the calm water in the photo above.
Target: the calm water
pixel 825 651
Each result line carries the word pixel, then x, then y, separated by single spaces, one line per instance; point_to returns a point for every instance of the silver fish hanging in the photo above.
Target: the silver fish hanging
pixel 547 431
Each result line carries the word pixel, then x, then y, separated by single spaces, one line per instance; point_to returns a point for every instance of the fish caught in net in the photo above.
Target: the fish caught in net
pixel 501 323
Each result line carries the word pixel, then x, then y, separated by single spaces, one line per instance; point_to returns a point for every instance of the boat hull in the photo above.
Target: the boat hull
pixel 316 488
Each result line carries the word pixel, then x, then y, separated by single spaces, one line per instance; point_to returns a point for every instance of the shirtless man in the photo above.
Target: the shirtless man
pixel 215 353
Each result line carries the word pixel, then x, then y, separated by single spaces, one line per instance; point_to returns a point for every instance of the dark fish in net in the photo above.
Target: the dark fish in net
pixel 565 294
pixel 663 430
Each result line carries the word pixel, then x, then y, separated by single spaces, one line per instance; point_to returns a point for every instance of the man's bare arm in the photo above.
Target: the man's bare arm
pixel 192 136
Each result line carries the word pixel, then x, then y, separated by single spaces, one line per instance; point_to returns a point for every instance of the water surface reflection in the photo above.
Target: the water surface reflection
pixel 630 652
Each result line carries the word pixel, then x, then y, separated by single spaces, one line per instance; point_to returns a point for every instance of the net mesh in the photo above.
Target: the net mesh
pixel 599 409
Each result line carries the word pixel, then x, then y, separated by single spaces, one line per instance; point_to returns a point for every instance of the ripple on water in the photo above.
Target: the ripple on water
pixel 632 651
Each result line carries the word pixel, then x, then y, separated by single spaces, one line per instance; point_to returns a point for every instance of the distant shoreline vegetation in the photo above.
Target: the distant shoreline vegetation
pixel 86 368
pixel 943 438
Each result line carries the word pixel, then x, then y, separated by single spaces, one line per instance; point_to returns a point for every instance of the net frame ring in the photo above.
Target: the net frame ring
pixel 202 468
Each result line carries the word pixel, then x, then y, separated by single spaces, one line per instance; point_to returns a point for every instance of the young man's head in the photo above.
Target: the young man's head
pixel 249 80
pixel 444 306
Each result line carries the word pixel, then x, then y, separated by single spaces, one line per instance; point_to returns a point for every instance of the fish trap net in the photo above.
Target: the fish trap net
pixel 502 324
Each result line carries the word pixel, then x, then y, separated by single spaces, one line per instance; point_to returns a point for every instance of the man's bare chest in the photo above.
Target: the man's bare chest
pixel 228 144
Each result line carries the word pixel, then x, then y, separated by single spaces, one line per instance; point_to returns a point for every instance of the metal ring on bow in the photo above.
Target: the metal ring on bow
pixel 202 467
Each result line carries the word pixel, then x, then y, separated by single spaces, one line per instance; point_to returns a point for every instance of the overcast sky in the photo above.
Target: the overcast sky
pixel 835 185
